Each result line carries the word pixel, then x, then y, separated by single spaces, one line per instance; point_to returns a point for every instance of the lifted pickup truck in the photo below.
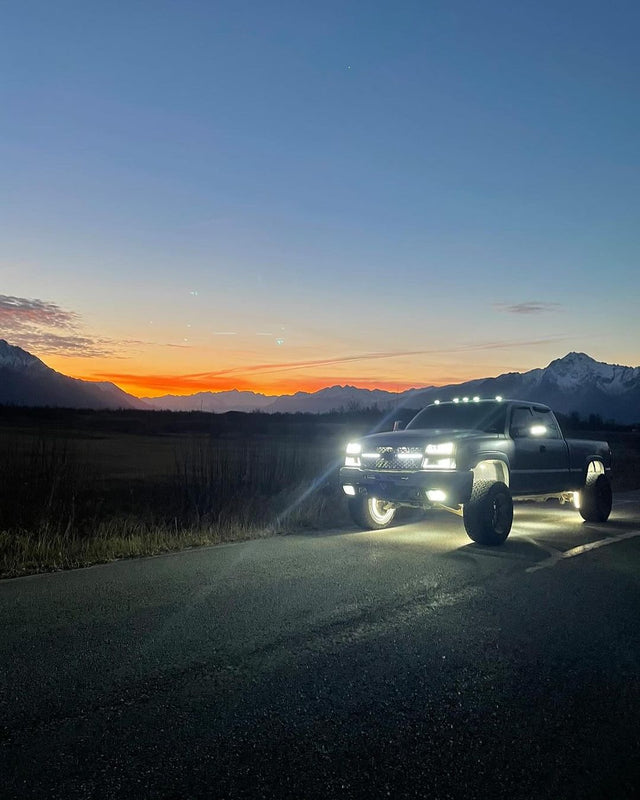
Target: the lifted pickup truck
pixel 472 457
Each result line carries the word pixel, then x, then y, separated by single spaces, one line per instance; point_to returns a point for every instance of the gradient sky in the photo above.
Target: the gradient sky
pixel 288 195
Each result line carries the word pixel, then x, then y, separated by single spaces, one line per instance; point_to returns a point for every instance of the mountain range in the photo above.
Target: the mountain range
pixel 575 382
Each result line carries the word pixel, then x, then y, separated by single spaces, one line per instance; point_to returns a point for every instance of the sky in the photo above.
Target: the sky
pixel 282 196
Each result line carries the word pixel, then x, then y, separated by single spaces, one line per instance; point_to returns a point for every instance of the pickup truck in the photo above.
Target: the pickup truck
pixel 473 457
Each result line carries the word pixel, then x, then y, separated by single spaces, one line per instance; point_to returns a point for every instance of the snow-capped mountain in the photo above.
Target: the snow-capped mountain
pixel 334 398
pixel 216 402
pixel 575 382
pixel 27 381
pixel 577 370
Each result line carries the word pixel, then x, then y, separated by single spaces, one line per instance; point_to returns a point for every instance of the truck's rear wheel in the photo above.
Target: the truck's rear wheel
pixel 596 498
pixel 370 513
pixel 489 513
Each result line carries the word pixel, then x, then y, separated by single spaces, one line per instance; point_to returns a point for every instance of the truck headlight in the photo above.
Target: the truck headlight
pixel 353 454
pixel 441 449
pixel 439 456
pixel 439 463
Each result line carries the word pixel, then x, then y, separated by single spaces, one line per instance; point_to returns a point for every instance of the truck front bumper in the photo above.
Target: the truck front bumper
pixel 410 488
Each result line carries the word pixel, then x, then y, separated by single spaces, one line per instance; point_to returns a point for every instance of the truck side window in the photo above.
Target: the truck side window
pixel 544 417
pixel 521 422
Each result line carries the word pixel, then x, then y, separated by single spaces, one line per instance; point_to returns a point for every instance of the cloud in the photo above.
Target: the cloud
pixel 238 377
pixel 285 366
pixel 532 307
pixel 18 312
pixel 44 328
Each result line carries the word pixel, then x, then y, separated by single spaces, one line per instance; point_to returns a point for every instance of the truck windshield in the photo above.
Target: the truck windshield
pixel 486 417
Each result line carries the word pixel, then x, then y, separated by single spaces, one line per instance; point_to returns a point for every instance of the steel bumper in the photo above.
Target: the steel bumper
pixel 409 487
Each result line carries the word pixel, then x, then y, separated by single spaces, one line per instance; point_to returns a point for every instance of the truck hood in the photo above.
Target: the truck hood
pixel 418 438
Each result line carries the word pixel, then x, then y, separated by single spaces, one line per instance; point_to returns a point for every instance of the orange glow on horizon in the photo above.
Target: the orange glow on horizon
pixel 184 385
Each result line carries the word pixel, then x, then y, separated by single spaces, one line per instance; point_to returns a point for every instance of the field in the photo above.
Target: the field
pixel 81 487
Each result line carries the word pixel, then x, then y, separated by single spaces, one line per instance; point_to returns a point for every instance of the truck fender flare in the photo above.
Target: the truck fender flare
pixel 594 465
pixel 492 467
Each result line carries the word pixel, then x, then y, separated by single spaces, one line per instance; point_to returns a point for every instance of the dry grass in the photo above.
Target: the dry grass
pixel 63 505
pixel 27 552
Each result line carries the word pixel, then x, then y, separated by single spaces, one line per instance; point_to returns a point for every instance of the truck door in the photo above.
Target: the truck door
pixel 541 456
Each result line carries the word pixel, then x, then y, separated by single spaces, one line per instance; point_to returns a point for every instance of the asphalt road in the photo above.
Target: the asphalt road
pixel 402 663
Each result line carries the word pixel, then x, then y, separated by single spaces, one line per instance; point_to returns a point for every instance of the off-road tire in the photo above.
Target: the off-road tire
pixel 367 513
pixel 488 514
pixel 596 499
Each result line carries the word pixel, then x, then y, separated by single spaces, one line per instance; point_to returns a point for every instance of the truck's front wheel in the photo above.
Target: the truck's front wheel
pixel 489 513
pixel 369 513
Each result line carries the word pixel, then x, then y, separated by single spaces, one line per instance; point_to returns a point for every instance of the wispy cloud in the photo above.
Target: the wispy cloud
pixel 239 377
pixel 285 366
pixel 532 307
pixel 45 328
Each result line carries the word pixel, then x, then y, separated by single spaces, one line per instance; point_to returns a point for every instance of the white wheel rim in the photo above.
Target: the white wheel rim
pixel 379 514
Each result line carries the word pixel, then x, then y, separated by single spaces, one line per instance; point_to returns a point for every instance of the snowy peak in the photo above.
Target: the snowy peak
pixel 12 357
pixel 27 381
pixel 573 361
pixel 576 371
pixel 214 402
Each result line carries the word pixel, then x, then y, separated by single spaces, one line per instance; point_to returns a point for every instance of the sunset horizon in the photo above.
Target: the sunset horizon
pixel 292 198
pixel 156 385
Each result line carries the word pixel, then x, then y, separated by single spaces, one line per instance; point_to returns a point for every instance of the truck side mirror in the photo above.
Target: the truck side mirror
pixel 398 425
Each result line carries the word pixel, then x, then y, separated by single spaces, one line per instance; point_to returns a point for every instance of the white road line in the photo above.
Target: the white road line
pixel 553 551
pixel 583 548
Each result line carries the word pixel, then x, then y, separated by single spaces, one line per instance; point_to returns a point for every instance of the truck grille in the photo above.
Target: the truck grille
pixel 393 458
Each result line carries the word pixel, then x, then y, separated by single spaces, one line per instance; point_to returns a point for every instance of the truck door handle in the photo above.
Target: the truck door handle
pixel 543 448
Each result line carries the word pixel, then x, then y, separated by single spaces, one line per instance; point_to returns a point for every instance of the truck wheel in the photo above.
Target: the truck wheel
pixel 489 513
pixel 596 499
pixel 369 513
